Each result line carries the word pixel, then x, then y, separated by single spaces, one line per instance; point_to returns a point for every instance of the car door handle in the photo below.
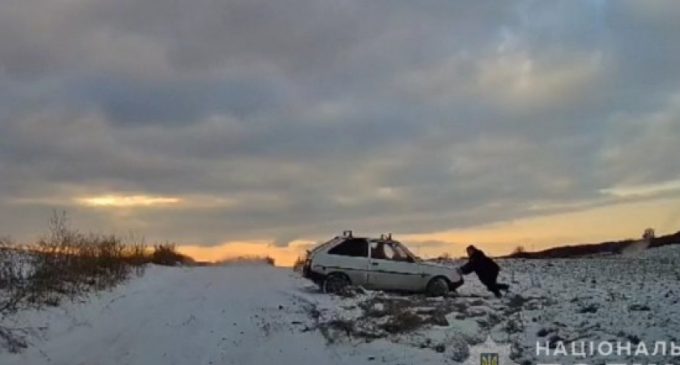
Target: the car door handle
pixel 374 263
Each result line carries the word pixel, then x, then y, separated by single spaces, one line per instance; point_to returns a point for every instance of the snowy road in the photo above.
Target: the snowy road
pixel 181 316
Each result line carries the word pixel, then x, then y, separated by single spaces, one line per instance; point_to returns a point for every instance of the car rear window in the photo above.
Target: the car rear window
pixel 325 244
pixel 355 247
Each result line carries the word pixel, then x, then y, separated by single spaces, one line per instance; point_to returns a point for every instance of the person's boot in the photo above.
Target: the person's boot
pixel 493 288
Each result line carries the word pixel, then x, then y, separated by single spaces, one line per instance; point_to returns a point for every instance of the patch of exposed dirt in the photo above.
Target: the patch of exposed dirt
pixel 446 325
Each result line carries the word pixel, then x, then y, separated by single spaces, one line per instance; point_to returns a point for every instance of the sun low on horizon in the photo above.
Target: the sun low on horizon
pixel 240 128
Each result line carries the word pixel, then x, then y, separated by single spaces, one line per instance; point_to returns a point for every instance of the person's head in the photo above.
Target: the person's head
pixel 470 250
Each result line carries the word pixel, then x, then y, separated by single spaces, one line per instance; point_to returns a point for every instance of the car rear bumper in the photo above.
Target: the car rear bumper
pixel 311 275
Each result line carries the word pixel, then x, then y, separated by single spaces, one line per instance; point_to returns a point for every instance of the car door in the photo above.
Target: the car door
pixel 351 258
pixel 390 268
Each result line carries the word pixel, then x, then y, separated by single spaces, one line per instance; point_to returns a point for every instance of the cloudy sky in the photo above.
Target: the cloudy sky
pixel 273 123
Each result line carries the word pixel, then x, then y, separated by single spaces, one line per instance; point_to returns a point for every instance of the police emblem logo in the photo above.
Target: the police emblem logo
pixel 488 358
pixel 490 353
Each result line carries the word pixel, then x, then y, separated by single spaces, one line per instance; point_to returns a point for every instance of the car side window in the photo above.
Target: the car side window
pixel 355 247
pixel 377 251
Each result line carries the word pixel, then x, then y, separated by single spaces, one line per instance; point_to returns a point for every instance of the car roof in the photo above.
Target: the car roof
pixel 347 235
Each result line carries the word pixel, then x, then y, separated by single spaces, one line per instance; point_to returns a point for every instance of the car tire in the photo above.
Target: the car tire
pixel 334 283
pixel 437 287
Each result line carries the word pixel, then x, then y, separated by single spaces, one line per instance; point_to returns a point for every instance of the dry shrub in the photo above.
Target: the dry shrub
pixel 137 256
pixel 166 254
pixel 13 269
pixel 64 264
pixel 69 263
pixel 299 263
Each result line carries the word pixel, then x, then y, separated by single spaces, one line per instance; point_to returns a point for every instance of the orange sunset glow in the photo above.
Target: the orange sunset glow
pixel 626 220
pixel 127 201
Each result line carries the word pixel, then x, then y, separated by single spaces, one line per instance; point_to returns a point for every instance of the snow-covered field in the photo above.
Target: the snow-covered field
pixel 256 314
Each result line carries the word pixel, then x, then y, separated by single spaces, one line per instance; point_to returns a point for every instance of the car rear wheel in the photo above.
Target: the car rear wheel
pixel 437 287
pixel 334 283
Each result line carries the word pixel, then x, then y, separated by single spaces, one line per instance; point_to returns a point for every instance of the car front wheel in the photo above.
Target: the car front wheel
pixel 334 283
pixel 437 287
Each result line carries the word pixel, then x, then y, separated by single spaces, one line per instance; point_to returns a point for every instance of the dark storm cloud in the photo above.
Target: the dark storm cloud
pixel 295 118
pixel 165 102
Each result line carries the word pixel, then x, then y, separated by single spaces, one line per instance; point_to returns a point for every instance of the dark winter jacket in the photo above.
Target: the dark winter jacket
pixel 484 267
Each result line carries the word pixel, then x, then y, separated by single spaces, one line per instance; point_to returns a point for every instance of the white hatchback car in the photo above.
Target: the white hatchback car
pixel 381 263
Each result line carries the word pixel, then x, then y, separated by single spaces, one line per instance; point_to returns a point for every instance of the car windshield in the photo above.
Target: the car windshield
pixel 406 251
pixel 390 251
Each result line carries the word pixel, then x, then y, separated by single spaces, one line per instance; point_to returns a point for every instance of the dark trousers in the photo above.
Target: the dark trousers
pixel 489 280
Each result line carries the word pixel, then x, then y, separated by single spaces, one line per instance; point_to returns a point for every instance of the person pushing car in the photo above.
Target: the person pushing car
pixel 485 268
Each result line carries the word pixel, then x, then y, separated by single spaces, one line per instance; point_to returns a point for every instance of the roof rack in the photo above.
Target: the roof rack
pixel 386 236
pixel 347 233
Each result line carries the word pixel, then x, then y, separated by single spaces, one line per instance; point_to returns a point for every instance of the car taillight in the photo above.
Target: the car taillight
pixel 306 266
